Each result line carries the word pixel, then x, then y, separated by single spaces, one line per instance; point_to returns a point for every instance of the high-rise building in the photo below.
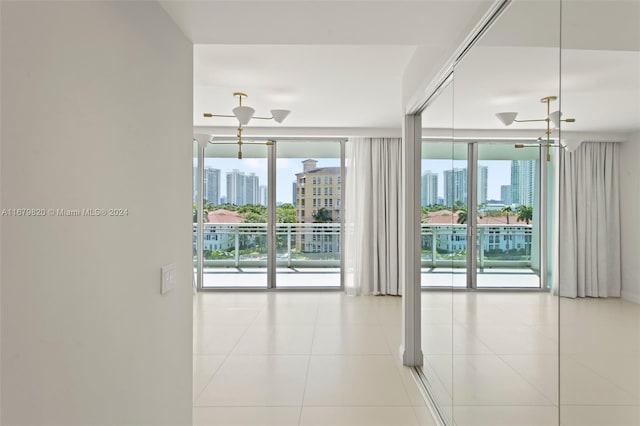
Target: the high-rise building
pixel 505 194
pixel 483 173
pixel 252 189
pixel 236 187
pixel 523 178
pixel 455 186
pixel 429 189
pixel 294 191
pixel 195 184
pixel 263 195
pixel 211 186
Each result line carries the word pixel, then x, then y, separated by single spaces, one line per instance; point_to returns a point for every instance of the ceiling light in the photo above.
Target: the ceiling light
pixel 244 114
pixel 507 118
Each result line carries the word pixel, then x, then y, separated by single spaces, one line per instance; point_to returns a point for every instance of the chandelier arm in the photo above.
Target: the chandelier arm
pixel 209 115
pixel 537 145
pixel 268 143
pixel 527 121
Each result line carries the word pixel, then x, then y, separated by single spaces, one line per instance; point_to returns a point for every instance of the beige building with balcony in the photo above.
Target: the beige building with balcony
pixel 317 187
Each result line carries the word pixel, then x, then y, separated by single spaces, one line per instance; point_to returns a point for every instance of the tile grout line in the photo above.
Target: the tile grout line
pixel 306 377
pixel 226 357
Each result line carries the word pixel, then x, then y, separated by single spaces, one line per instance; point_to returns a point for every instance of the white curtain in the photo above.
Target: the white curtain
pixel 589 222
pixel 372 202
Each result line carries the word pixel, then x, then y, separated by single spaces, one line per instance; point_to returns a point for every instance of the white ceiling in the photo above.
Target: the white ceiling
pixel 323 86
pixel 519 61
pixel 340 64
pixel 335 64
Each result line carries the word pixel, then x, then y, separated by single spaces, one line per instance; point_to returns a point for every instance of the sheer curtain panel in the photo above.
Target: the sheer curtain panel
pixel 372 202
pixel 589 223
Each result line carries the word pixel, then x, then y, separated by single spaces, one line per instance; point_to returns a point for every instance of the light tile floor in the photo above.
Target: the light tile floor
pixel 494 358
pixel 322 358
pixel 301 358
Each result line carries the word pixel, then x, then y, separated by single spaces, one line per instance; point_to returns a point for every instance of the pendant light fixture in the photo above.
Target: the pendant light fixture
pixel 244 114
pixel 508 118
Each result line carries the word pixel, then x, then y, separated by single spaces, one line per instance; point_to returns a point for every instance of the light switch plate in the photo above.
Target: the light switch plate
pixel 168 278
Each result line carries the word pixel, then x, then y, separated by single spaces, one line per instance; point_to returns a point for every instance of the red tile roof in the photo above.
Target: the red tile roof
pixel 444 217
pixel 224 216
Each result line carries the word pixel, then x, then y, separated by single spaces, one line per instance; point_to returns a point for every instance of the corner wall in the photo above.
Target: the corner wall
pixel 629 207
pixel 96 113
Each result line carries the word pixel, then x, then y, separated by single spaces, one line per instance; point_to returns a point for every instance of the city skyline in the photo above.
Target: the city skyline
pixel 505 181
pixel 286 169
pixel 498 176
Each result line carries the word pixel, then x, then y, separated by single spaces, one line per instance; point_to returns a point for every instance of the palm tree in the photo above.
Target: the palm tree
pixel 507 210
pixel 525 214
pixel 462 216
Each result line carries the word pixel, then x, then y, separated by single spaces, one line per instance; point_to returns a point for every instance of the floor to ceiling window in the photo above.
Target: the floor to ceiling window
pixel 273 218
pixel 502 203
pixel 308 214
pixel 508 190
pixel 234 231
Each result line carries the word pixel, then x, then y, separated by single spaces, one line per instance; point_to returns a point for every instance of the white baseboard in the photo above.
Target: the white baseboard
pixel 631 297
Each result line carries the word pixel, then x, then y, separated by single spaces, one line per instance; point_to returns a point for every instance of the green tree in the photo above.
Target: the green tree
pixel 462 216
pixel 322 216
pixel 525 214
pixel 507 210
pixel 208 207
pixel 255 217
pixel 286 213
pixel 458 205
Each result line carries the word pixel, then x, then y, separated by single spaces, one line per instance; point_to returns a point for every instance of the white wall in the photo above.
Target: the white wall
pixel 96 113
pixel 629 207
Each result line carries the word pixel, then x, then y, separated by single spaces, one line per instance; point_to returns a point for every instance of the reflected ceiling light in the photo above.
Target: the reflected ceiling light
pixel 244 114
pixel 508 118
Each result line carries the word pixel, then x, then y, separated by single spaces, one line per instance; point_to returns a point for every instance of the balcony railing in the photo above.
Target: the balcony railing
pixel 497 245
pixel 318 245
pixel 245 244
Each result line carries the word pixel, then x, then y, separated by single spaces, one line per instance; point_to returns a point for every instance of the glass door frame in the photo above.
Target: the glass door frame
pixel 271 214
pixel 472 216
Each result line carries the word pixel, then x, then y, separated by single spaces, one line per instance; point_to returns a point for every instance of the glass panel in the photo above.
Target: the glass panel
pixel 195 210
pixel 600 328
pixel 235 228
pixel 508 230
pixel 308 212
pixel 505 352
pixel 444 193
pixel 438 258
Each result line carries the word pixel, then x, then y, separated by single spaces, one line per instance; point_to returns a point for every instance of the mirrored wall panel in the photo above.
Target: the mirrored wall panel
pixel 598 233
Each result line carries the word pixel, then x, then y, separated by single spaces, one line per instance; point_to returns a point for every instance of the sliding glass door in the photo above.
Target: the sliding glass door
pixel 273 218
pixel 308 214
pixel 444 209
pixel 508 216
pixel 480 215
pixel 235 216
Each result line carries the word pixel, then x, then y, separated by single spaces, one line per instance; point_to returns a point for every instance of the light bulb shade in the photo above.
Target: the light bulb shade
pixel 555 118
pixel 243 114
pixel 279 114
pixel 507 117
pixel 203 140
